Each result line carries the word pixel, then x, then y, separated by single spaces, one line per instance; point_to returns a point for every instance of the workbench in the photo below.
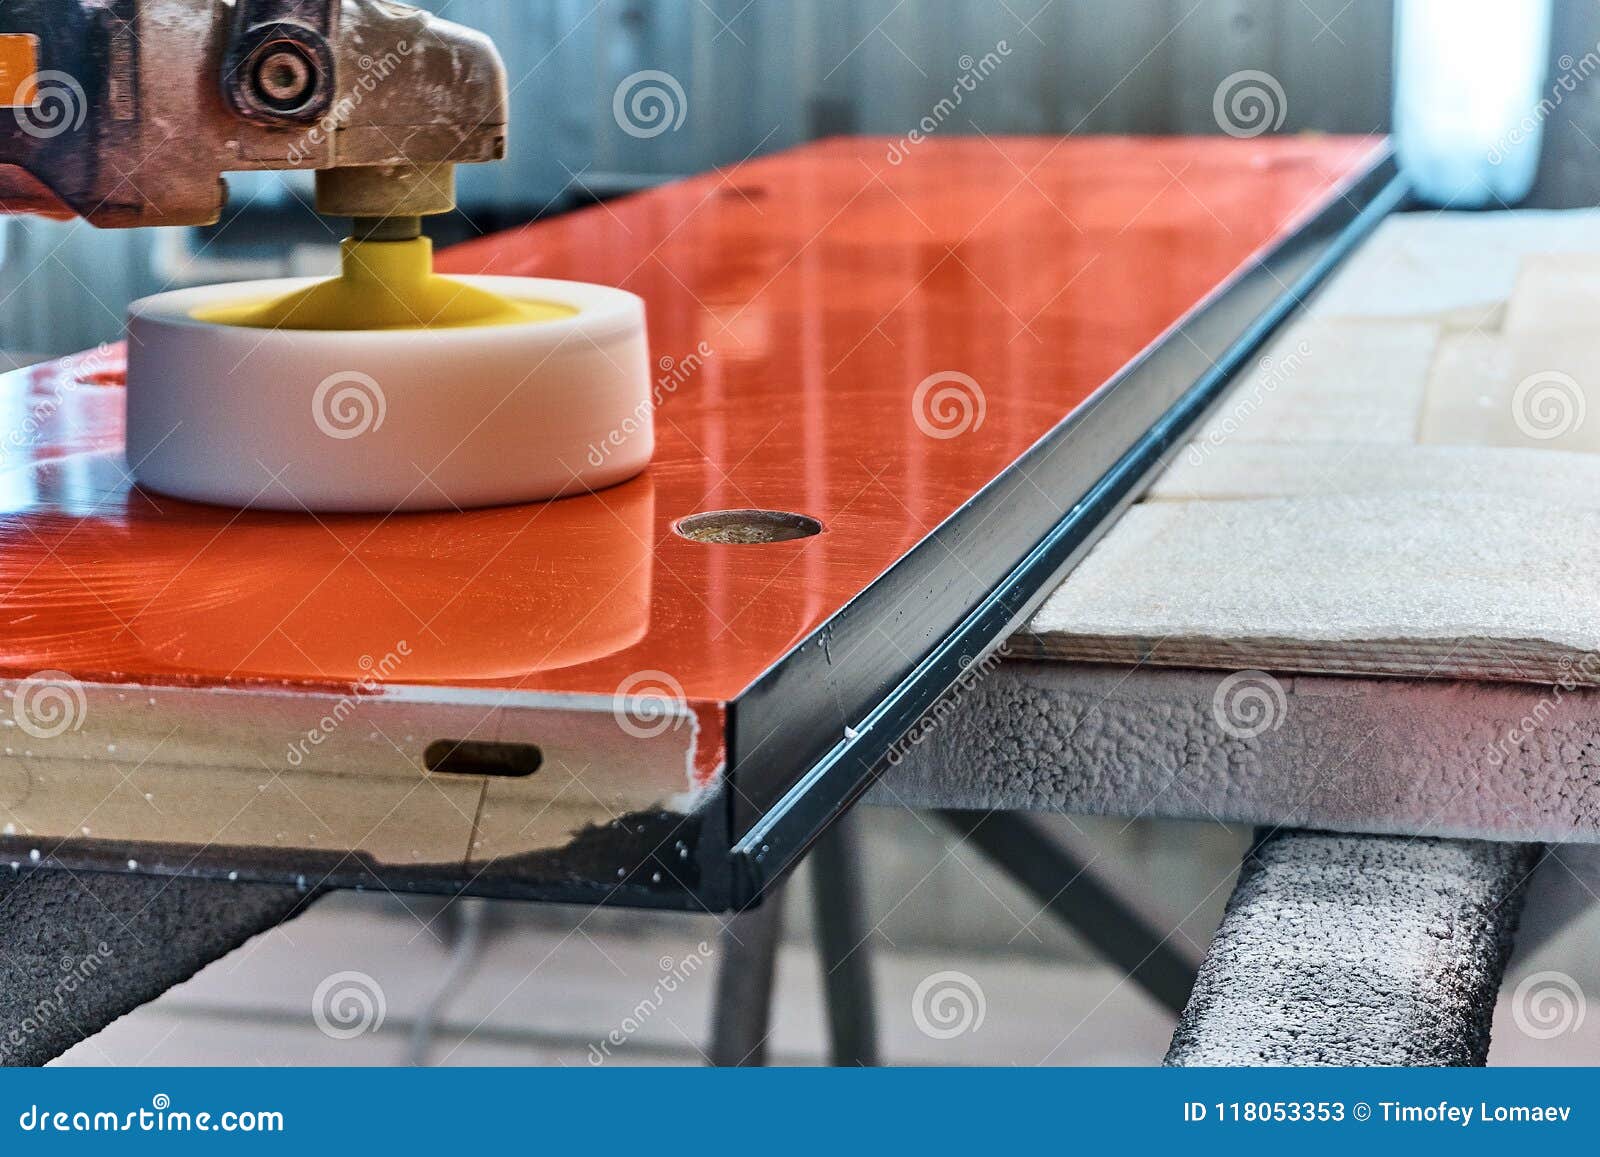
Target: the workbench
pixel 1299 626
pixel 1381 548
pixel 1360 599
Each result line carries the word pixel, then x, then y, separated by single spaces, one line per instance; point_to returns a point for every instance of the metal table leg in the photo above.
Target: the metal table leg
pixel 1357 950
pixel 845 956
pixel 78 950
pixel 742 1016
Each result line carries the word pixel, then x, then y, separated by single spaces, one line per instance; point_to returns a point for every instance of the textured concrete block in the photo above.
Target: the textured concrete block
pixel 1357 950
pixel 1477 760
pixel 78 950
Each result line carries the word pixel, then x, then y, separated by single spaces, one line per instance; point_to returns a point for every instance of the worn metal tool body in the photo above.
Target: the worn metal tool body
pixel 128 112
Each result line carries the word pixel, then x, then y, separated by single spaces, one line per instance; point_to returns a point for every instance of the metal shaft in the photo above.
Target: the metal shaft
pixel 387 228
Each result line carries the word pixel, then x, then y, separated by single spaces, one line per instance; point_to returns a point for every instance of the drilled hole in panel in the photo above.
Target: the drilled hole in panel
pixel 470 757
pixel 747 527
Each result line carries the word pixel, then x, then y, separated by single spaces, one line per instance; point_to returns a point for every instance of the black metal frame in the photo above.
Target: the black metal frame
pixel 1073 892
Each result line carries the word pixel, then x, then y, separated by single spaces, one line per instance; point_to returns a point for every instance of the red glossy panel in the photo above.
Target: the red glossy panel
pixel 825 285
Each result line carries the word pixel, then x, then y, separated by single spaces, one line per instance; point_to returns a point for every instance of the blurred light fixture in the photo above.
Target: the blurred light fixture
pixel 1471 98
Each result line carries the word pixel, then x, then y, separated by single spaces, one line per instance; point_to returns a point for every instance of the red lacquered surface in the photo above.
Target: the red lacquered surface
pixel 826 284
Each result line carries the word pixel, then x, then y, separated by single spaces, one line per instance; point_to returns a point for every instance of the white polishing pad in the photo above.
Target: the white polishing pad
pixel 379 421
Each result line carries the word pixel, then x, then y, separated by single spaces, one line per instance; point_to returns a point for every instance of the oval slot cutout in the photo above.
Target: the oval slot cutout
pixel 471 757
pixel 747 527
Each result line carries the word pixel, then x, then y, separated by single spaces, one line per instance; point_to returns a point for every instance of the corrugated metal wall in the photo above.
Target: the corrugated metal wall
pixel 764 74
pixel 759 75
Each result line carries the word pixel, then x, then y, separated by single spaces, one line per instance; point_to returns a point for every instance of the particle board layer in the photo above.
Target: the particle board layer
pixel 1403 485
